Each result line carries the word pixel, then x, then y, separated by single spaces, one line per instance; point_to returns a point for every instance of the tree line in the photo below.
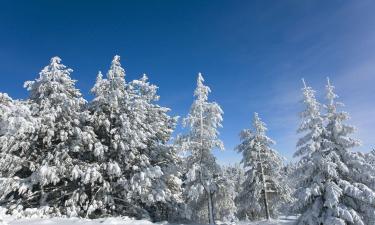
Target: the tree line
pixel 114 156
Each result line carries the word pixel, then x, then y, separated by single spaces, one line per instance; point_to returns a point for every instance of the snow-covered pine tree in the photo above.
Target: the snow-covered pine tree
pixel 311 167
pixel 202 172
pixel 135 131
pixel 17 130
pixel 264 189
pixel 156 183
pixel 288 172
pixel 109 119
pixel 58 144
pixel 349 196
pixel 332 186
pixel 238 176
pixel 229 185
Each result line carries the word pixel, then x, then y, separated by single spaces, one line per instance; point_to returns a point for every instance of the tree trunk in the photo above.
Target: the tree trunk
pixel 265 193
pixel 207 186
pixel 43 197
pixel 211 219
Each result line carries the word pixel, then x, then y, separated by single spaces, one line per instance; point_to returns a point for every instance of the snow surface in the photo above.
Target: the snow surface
pixel 36 220
pixel 8 220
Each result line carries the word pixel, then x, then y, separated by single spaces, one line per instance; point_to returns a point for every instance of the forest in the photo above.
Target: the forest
pixel 118 155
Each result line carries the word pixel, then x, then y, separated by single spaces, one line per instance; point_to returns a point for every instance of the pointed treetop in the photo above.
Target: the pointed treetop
pixel 116 71
pixel 331 96
pixel 100 75
pixel 200 79
pixel 256 116
pixel 259 125
pixel 55 60
pixel 308 93
pixel 53 71
pixel 201 91
pixel 144 78
pixel 55 64
pixel 116 59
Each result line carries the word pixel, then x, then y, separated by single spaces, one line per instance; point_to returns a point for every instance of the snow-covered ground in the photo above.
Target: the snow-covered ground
pixel 280 221
pixel 71 221
pixel 8 220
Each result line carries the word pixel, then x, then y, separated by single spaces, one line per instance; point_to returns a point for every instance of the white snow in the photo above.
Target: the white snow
pixel 11 220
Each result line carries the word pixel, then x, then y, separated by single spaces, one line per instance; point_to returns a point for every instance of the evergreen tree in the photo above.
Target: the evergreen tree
pixel 229 185
pixel 309 170
pixel 158 175
pixel 135 131
pixel 264 189
pixel 17 129
pixel 350 184
pixel 331 188
pixel 110 122
pixel 202 172
pixel 59 142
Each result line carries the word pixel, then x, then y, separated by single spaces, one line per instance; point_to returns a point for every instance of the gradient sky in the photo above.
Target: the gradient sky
pixel 252 54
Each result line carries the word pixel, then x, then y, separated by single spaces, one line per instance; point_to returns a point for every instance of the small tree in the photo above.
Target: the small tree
pixel 202 173
pixel 264 188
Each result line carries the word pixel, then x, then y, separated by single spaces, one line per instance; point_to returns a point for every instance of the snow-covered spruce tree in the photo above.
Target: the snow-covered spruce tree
pixel 229 185
pixel 331 179
pixel 350 184
pixel 135 132
pixel 288 172
pixel 202 171
pixel 164 192
pixel 59 142
pixel 310 170
pixel 264 189
pixel 17 128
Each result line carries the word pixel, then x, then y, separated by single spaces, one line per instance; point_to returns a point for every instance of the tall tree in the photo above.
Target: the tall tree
pixel 203 121
pixel 135 131
pixel 57 145
pixel 330 187
pixel 310 172
pixel 161 196
pixel 264 189
pixel 109 121
pixel 350 183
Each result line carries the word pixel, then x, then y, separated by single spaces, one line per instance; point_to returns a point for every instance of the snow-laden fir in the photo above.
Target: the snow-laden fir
pixel 113 158
pixel 336 186
pixel 107 157
pixel 264 190
pixel 203 175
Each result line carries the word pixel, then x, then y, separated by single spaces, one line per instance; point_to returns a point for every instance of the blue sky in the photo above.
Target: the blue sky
pixel 252 54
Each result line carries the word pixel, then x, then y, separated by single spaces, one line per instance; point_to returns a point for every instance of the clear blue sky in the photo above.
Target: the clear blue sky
pixel 252 54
